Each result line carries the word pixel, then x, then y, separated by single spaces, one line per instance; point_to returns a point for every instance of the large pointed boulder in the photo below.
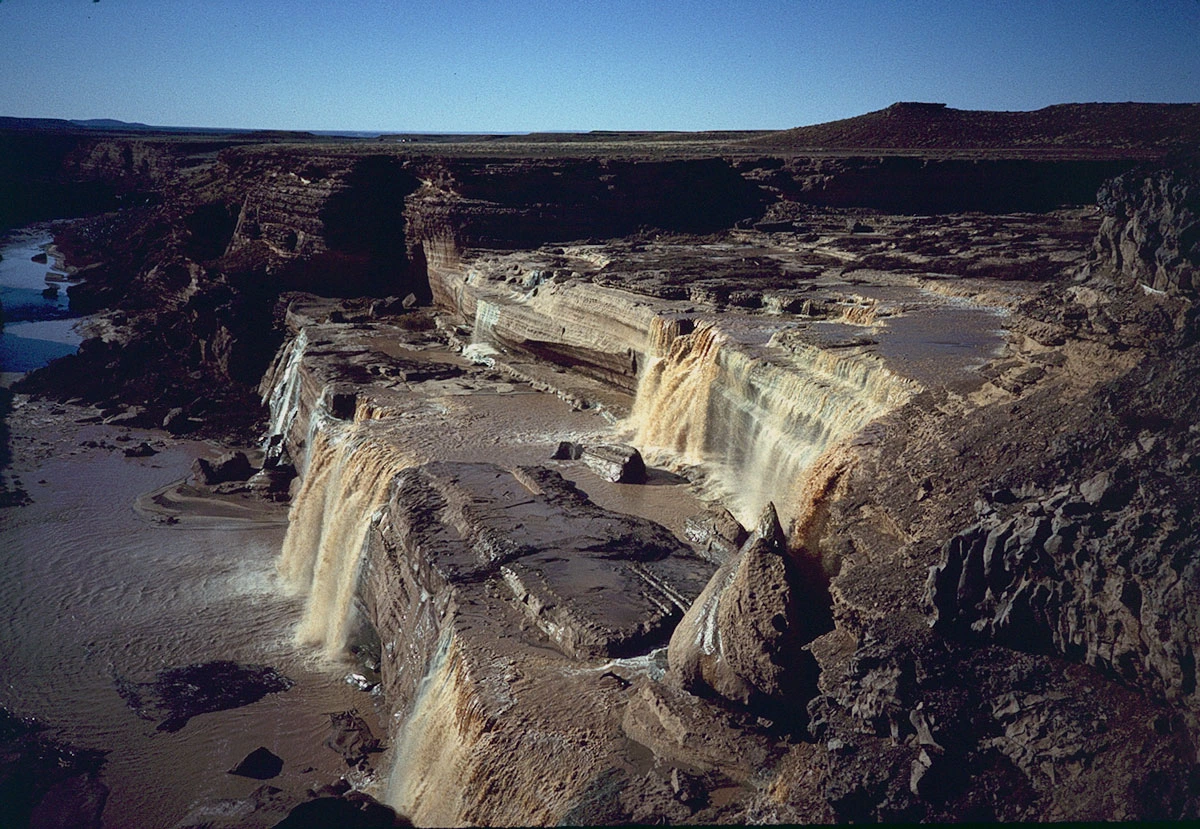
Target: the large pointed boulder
pixel 742 638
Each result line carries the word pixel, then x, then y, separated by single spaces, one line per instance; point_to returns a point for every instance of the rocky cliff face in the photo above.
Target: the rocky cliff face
pixel 825 676
pixel 1071 495
pixel 1151 230
pixel 913 184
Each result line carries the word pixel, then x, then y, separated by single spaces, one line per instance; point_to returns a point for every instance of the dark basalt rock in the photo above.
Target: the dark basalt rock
pixel 232 466
pixel 142 450
pixel 355 811
pixel 177 422
pixel 178 694
pixel 351 737
pixel 717 533
pixel 1151 230
pixel 46 783
pixel 567 451
pixel 260 764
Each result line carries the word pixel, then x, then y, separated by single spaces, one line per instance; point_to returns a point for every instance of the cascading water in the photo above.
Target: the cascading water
pixel 753 425
pixel 283 388
pixel 430 744
pixel 756 418
pixel 349 469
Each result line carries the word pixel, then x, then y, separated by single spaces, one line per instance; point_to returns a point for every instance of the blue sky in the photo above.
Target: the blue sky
pixel 521 65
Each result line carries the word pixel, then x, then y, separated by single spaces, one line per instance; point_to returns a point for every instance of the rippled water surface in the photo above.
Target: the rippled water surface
pixel 93 591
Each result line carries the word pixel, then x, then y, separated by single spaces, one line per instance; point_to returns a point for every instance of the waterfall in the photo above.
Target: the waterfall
pixel 430 744
pixel 282 388
pixel 754 423
pixel 349 470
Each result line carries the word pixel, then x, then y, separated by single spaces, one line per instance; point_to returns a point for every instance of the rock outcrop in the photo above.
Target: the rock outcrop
pixel 1098 568
pixel 497 597
pixel 1151 229
pixel 976 601
pixel 742 638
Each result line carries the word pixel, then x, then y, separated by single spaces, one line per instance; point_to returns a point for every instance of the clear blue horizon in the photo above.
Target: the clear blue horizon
pixel 530 65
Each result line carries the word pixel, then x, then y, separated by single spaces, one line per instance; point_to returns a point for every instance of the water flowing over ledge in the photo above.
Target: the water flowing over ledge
pixel 376 542
pixel 755 426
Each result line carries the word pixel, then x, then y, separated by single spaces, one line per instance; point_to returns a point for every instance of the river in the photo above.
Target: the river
pixel 37 327
pixel 94 592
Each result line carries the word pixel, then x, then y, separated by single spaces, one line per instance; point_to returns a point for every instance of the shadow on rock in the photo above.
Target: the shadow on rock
pixel 356 811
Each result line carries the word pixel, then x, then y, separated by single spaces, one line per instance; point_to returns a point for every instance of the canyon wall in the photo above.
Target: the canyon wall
pixel 914 184
pixel 1151 231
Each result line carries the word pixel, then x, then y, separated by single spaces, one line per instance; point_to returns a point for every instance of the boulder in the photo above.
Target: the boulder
pixel 742 638
pixel 616 463
pixel 716 533
pixel 567 451
pixel 351 737
pixel 142 450
pixel 272 482
pixel 355 811
pixel 260 764
pixel 131 416
pixel 177 422
pixel 232 466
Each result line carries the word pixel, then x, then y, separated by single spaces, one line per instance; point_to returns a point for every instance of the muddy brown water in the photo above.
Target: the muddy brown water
pixel 95 591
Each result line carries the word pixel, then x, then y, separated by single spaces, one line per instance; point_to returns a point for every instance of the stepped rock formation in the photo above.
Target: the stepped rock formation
pixel 967 440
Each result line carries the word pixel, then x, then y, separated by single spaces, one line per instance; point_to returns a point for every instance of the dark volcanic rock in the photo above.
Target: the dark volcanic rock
pixel 142 450
pixel 918 729
pixel 177 422
pixel 232 466
pixel 355 811
pixel 178 694
pixel 567 451
pixel 351 737
pixel 45 783
pixel 1151 229
pixel 260 764
pixel 1102 566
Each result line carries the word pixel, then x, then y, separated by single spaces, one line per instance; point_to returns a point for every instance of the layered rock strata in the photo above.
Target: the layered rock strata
pixel 497 596
pixel 404 555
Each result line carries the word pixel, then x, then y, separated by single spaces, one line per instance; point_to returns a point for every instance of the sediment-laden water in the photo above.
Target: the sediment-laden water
pixel 96 595
pixel 100 597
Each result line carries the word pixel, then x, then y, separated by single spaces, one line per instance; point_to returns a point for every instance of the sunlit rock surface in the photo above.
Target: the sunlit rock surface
pixel 789 396
pixel 742 637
